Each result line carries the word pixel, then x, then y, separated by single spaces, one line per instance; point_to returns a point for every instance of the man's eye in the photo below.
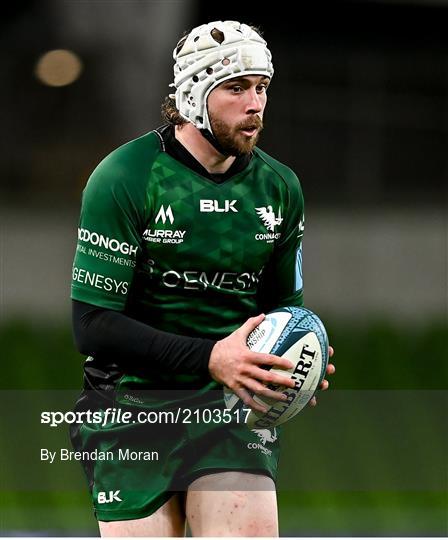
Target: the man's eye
pixel 236 88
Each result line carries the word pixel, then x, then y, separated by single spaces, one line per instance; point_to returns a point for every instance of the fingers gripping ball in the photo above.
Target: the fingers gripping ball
pixel 299 335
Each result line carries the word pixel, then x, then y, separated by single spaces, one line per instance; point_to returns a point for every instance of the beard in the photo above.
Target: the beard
pixel 232 140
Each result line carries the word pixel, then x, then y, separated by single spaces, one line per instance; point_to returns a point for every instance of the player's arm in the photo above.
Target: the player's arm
pixel 114 211
pixel 108 332
pixel 281 282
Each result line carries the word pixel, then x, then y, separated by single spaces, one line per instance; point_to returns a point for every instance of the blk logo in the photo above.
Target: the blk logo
pixel 111 496
pixel 165 215
pixel 211 205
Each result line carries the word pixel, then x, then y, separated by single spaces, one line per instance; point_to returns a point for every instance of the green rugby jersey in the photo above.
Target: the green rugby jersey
pixel 182 253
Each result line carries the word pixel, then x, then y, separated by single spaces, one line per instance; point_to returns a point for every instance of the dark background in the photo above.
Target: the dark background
pixel 358 107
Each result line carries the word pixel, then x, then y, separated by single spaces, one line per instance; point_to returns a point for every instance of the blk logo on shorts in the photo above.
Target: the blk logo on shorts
pixel 108 497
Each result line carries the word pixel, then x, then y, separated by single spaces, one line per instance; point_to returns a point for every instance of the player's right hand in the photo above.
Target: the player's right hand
pixel 233 364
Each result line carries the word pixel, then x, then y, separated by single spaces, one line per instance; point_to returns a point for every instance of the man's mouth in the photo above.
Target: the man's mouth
pixel 250 131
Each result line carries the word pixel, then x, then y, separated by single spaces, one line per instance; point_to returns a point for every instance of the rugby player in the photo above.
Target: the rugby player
pixel 187 236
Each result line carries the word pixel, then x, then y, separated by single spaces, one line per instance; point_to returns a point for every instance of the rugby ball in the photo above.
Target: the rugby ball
pixel 295 333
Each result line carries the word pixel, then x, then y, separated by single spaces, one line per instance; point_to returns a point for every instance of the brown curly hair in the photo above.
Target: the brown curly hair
pixel 170 113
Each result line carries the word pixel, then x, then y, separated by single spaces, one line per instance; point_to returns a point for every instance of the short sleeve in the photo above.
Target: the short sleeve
pixel 109 235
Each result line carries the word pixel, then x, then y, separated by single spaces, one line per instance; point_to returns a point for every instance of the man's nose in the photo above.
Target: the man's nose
pixel 254 101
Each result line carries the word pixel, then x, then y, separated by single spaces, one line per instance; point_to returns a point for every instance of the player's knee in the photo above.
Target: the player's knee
pixel 233 524
pixel 259 527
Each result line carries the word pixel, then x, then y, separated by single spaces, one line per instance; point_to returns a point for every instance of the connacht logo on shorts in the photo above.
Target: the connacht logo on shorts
pixel 266 435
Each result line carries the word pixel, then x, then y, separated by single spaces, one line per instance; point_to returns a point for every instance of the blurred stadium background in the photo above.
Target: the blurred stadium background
pixel 359 109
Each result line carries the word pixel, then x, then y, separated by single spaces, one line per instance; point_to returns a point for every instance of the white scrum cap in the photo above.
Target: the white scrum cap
pixel 211 54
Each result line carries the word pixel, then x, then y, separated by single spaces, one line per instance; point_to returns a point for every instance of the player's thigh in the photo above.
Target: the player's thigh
pixel 232 504
pixel 168 520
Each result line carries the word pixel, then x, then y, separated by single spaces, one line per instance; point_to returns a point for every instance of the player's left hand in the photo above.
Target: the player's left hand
pixel 325 384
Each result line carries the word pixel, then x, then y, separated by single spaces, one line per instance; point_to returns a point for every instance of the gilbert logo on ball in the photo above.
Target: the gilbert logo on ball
pixel 299 335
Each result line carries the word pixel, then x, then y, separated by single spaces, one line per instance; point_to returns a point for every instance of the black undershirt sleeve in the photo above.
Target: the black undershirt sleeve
pixel 99 331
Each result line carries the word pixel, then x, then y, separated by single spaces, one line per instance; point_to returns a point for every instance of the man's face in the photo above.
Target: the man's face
pixel 235 109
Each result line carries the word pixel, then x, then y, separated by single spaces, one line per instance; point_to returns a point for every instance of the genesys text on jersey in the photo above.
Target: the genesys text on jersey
pixel 108 284
pixel 188 280
pixel 116 415
pixel 200 281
